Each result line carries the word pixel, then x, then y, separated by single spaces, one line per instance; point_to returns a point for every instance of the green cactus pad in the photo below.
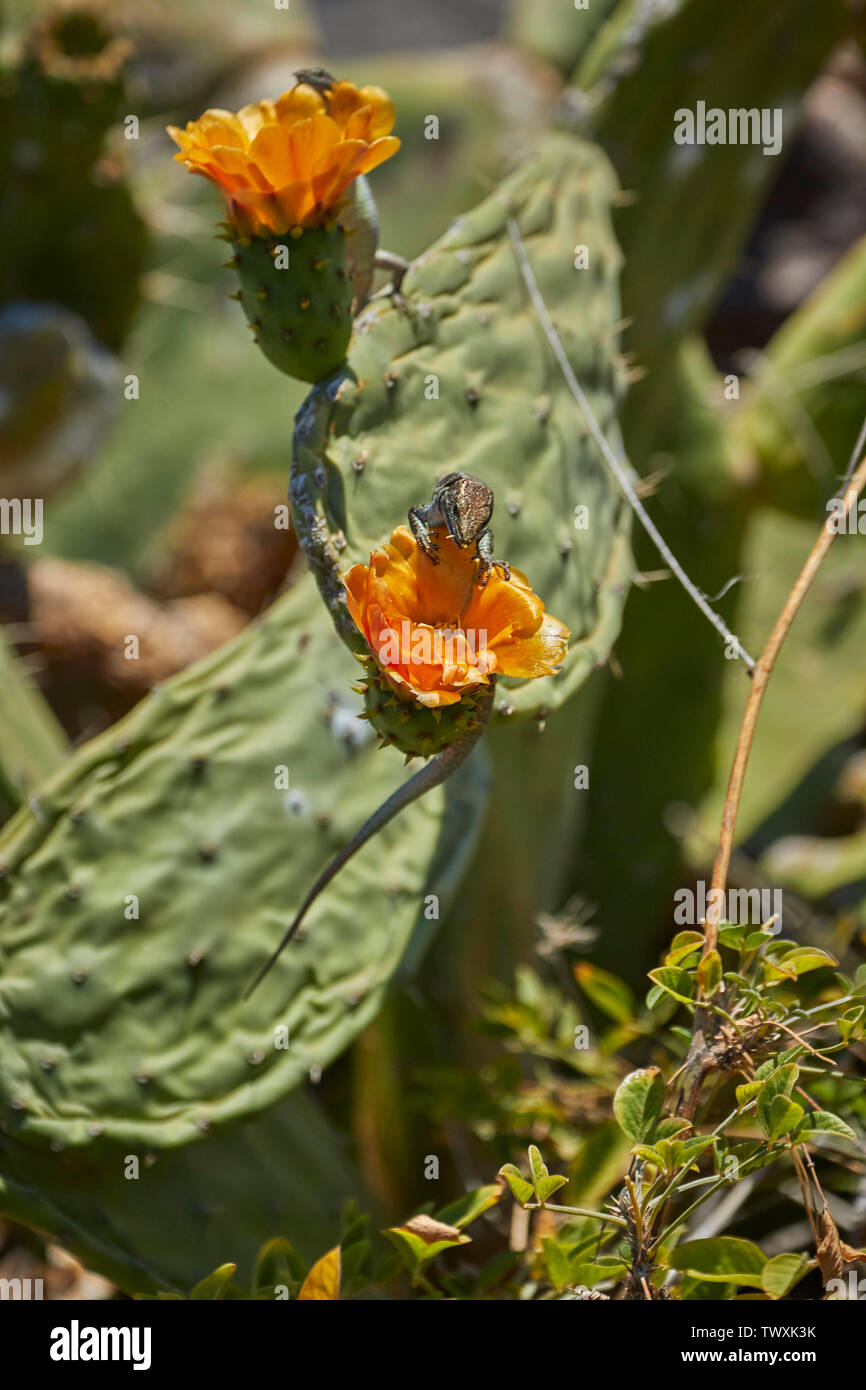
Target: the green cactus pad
pixel 464 380
pixel 165 1227
pixel 132 1029
pixel 680 248
pixel 32 743
pixel 301 314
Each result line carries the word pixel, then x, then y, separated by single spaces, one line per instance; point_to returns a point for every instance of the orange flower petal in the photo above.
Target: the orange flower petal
pixel 251 209
pixel 221 128
pixel 270 152
pixel 233 170
pixel 378 152
pixel 294 152
pixel 542 654
pixel 346 102
pixel 299 103
pixel 436 633
pixel 506 604
pixel 255 117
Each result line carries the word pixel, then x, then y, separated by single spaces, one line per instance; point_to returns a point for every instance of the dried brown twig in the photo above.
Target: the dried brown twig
pixel 704 1022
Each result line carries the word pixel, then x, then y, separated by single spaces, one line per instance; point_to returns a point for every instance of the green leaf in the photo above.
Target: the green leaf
pixel 684 944
pixel 710 973
pixel 732 936
pixel 277 1263
pixel 767 1068
pixel 782 1116
pixel 556 1261
pixel 847 1024
pixel 604 1267
pixel 756 939
pixel 721 1259
pixel 748 1091
pixel 805 958
pixel 655 1154
pixel 547 1187
pixel 215 1285
pixel 780 1082
pixel 824 1122
pixel 521 1190
pixel 420 1239
pixel 537 1166
pixel 780 1274
pixel 638 1103
pixel 470 1206
pixel 685 1151
pixel 357 1270
pixel 609 994
pixel 669 1126
pixel 675 982
pixel 797 962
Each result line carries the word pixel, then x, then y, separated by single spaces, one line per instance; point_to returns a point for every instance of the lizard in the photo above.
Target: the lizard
pixel 359 219
pixel 463 504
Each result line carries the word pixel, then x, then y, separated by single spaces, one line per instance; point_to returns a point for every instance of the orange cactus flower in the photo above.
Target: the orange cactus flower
pixel 287 163
pixel 436 633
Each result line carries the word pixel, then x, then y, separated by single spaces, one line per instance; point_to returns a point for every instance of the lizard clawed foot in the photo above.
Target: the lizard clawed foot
pixel 486 567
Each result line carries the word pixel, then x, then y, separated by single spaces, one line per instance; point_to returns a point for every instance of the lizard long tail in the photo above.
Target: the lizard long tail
pixel 433 774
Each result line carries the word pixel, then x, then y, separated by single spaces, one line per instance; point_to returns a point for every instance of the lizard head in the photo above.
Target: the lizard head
pixel 466 503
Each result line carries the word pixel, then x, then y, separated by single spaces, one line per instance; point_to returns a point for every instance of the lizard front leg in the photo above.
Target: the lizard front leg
pixel 487 561
pixel 423 533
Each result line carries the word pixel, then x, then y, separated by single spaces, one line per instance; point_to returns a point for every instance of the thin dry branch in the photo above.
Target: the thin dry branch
pixel 760 678
pixel 618 467
pixel 704 1022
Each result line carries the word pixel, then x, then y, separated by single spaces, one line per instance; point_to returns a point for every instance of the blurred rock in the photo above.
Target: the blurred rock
pixel 84 617
pixel 62 1277
pixel 225 542
pixel 59 389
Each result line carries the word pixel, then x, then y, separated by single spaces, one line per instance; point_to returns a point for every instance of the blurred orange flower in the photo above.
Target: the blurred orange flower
pixel 287 163
pixel 436 634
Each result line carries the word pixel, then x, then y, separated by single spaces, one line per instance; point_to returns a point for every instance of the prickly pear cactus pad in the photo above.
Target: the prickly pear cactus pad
pixel 157 868
pixel 461 378
pixel 188 1205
